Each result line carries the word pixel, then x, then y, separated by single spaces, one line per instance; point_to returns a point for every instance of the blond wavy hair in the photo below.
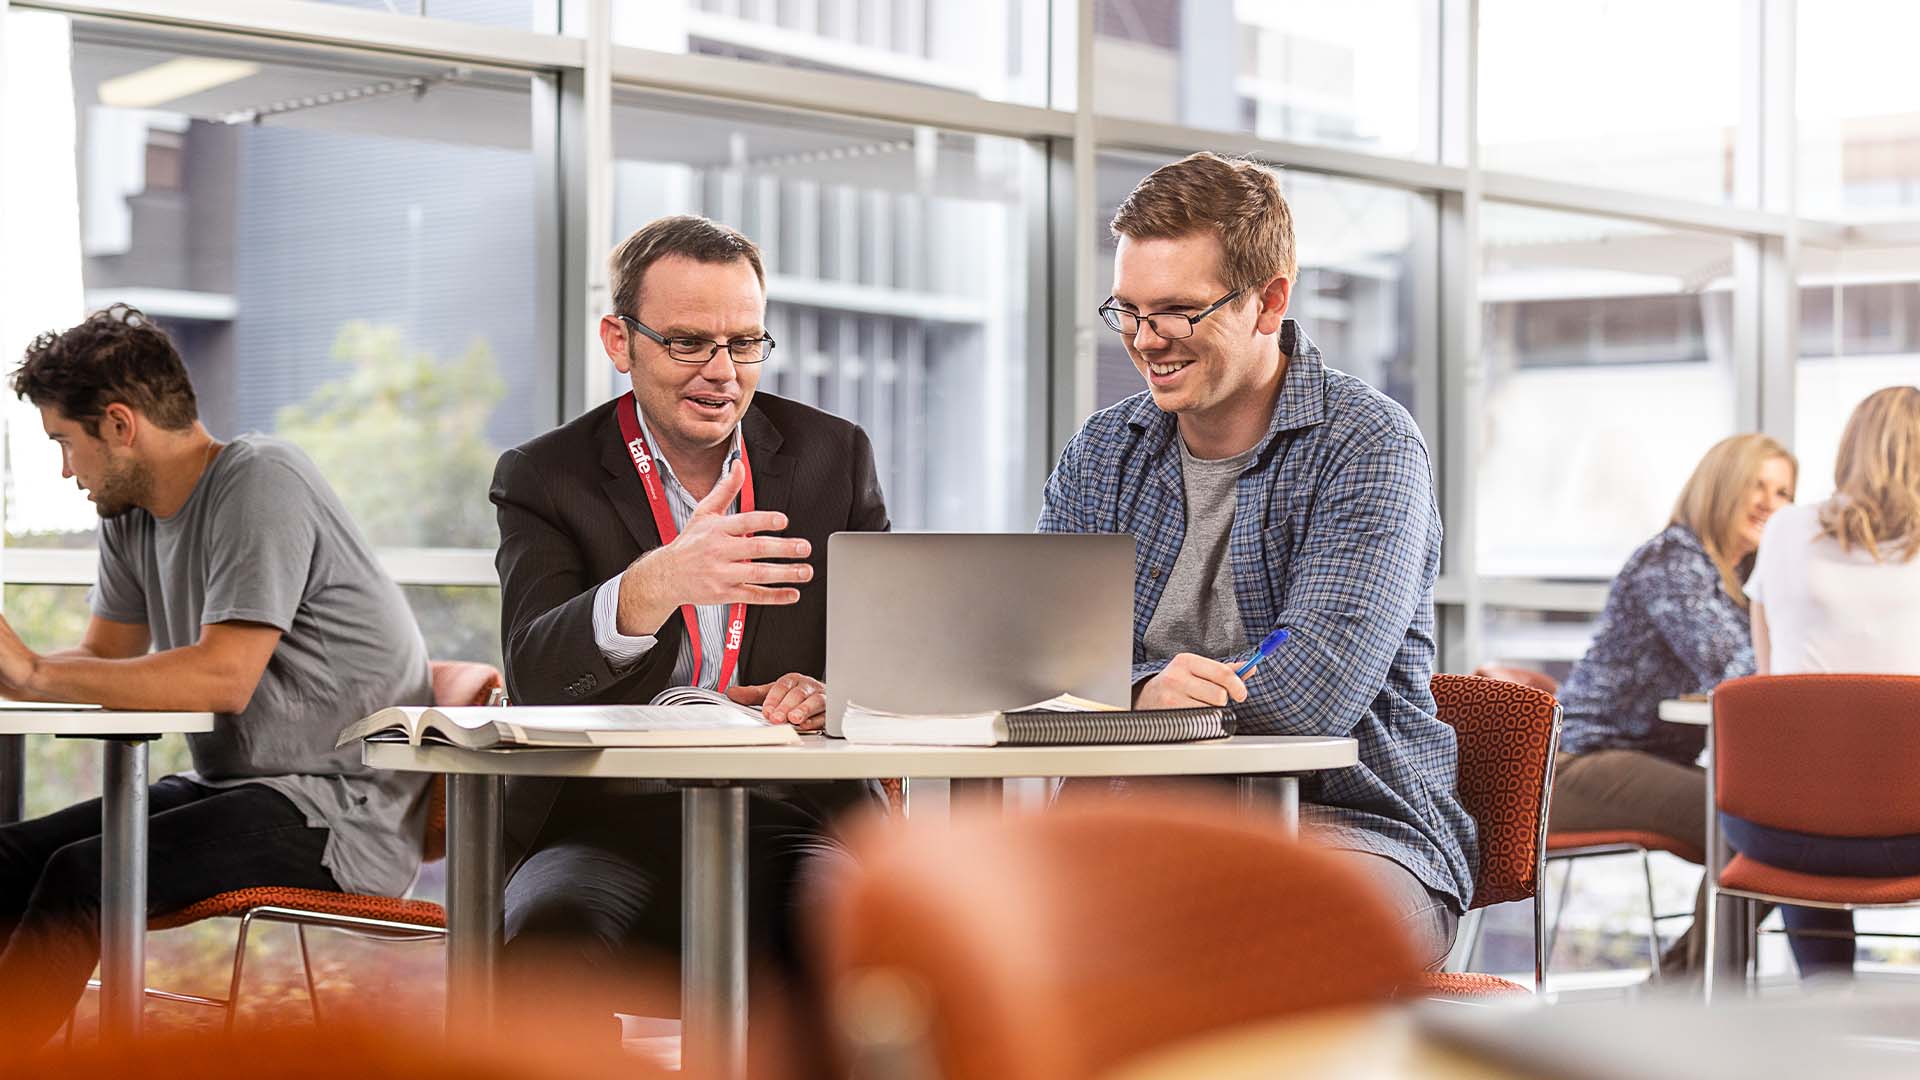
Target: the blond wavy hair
pixel 1713 505
pixel 1876 477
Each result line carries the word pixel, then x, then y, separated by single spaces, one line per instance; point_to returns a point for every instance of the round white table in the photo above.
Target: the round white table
pixel 123 834
pixel 1697 712
pixel 714 837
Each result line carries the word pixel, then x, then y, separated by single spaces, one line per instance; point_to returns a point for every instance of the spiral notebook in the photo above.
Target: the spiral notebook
pixel 1057 721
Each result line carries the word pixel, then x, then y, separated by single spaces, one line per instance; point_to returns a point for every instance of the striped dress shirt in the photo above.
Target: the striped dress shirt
pixel 624 650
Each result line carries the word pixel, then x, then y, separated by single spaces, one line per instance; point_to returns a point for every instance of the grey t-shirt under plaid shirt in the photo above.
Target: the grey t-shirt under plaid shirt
pixel 1198 612
pixel 264 539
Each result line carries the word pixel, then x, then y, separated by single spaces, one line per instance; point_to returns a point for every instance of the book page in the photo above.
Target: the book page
pixel 1067 703
pixel 584 718
pixel 678 696
pixel 404 719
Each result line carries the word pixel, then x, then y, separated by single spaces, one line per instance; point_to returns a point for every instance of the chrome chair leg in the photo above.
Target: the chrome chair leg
pixel 239 969
pixel 1560 908
pixel 1653 920
pixel 306 967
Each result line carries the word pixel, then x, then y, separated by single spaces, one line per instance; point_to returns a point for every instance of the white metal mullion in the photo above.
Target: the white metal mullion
pixel 4 566
pixel 1462 373
pixel 595 157
pixel 1780 255
pixel 1632 205
pixel 1086 228
pixel 842 95
pixel 1140 136
pixel 471 567
pixel 1748 175
pixel 328 24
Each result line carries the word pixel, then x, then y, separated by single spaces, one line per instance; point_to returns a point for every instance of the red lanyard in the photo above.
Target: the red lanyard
pixel 663 520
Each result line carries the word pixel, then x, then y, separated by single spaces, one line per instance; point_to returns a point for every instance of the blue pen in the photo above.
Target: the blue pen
pixel 1272 642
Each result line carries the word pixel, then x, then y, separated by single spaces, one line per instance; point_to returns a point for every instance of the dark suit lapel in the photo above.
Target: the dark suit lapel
pixel 772 490
pixel 622 485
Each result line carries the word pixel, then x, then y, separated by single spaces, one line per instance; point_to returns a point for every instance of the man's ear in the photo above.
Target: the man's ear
pixel 1274 297
pixel 613 338
pixel 119 425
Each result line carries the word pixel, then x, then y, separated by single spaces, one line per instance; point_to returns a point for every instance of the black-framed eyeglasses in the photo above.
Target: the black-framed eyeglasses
pixel 699 350
pixel 1171 325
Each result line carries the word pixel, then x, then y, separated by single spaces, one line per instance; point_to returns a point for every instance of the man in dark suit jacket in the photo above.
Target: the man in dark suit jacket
pixel 596 609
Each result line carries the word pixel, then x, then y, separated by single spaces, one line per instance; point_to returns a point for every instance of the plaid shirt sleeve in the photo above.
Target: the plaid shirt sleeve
pixel 1353 587
pixel 1061 510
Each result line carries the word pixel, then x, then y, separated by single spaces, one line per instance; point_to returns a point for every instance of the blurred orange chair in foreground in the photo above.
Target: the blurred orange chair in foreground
pixel 455 682
pixel 1059 945
pixel 364 1048
pixel 1507 734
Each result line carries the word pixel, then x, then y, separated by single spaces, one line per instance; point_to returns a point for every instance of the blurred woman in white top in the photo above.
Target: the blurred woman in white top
pixel 1836 588
pixel 1836 585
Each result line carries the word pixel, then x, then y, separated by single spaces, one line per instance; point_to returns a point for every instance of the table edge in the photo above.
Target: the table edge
pixel 1314 753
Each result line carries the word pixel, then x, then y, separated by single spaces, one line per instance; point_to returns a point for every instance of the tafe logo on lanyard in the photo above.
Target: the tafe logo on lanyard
pixel 629 418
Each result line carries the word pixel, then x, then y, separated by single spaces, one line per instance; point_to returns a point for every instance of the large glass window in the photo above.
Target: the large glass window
pixel 1550 642
pixel 1362 74
pixel 1359 247
pixel 1606 348
pixel 897 284
pixel 343 252
pixel 1635 94
pixel 1859 109
pixel 997 50
pixel 1859 332
pixel 342 248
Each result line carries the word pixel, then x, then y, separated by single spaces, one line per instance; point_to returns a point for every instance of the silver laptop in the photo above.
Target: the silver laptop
pixel 964 622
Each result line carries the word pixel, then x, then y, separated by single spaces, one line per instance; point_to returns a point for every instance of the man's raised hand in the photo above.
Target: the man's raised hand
pixel 718 558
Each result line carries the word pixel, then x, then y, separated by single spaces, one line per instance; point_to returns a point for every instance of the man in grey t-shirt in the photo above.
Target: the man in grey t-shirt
pixel 231 581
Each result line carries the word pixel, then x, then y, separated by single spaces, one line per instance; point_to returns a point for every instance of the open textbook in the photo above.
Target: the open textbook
pixel 678 716
pixel 1065 719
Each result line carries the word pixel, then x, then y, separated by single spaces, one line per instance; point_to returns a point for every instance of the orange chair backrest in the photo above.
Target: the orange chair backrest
pixel 1055 946
pixel 455 682
pixel 1507 735
pixel 1832 755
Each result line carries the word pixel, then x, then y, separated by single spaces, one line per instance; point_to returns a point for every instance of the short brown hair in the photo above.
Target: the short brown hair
pixel 113 356
pixel 685 235
pixel 1236 199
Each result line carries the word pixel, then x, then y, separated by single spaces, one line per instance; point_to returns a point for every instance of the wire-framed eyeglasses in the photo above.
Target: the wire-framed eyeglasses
pixel 698 350
pixel 1171 325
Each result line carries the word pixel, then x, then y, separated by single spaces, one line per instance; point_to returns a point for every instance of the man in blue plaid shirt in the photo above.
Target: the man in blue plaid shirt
pixel 1264 489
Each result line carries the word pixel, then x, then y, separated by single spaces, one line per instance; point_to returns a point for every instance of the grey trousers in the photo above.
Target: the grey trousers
pixel 1630 789
pixel 1424 916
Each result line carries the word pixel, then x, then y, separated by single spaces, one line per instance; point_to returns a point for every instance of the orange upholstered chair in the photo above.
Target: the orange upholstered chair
pixel 1573 845
pixel 455 682
pixel 1829 755
pixel 1507 734
pixel 1059 945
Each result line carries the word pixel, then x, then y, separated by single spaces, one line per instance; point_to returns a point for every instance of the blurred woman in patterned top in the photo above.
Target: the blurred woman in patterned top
pixel 1675 623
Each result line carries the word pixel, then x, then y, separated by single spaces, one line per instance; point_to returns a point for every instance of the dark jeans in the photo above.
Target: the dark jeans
pixel 200 841
pixel 599 895
pixel 1892 856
